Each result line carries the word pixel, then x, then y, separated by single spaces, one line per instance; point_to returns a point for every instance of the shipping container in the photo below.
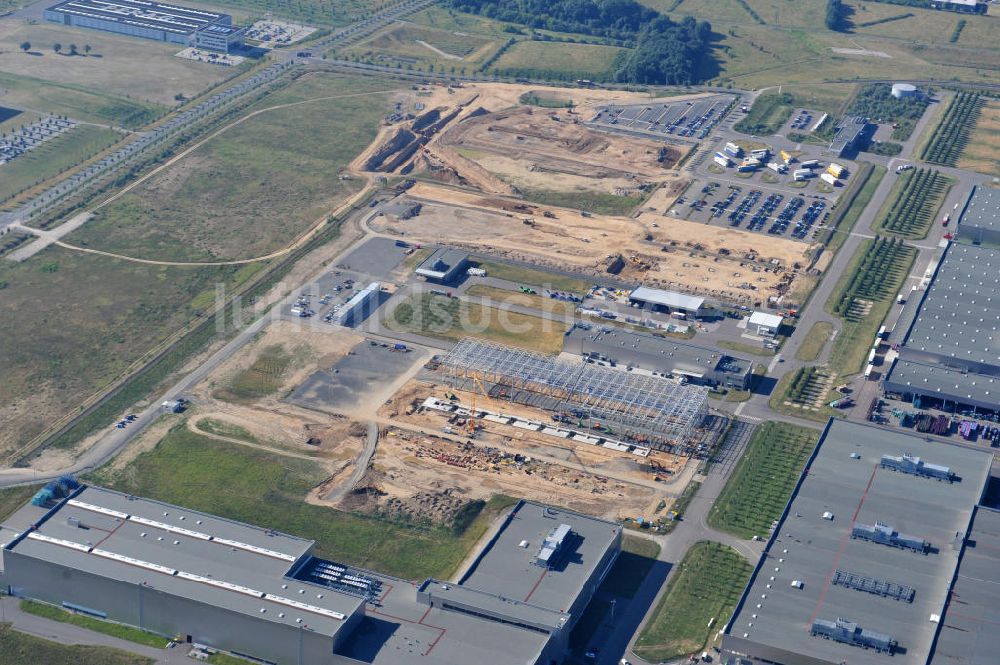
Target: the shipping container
pixel 836 170
pixel 733 149
pixel 826 177
pixel 744 168
pixel 786 157
pixel 760 154
pixel 801 174
pixel 722 161
pixel 776 167
pixel 810 163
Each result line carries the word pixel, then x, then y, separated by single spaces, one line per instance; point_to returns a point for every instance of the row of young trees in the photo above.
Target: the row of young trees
pixel 664 51
pixel 835 15
pixel 57 47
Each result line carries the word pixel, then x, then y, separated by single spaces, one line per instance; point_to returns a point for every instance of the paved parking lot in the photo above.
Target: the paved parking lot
pixel 366 367
pixel 754 208
pixel 685 119
pixel 377 258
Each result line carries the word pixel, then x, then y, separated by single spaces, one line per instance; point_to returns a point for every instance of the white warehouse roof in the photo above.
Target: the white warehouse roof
pixel 765 319
pixel 667 298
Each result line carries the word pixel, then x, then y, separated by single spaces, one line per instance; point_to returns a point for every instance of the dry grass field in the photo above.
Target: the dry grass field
pixel 117 65
pixel 982 152
pixel 254 188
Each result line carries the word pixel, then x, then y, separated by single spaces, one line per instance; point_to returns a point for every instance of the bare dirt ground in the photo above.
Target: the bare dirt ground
pixel 270 422
pixel 733 265
pixel 548 149
pixel 414 463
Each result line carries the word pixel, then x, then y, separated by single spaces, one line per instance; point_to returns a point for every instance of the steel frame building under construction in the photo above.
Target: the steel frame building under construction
pixel 639 408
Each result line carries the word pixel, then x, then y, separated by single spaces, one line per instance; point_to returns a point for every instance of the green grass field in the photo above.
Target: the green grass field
pixel 53 157
pixel 99 315
pixel 536 278
pixel 539 302
pixel 18 648
pixel 595 202
pixel 254 188
pixel 414 46
pixel 453 319
pixel 128 633
pixel 760 486
pixel 700 597
pixel 269 490
pixel 260 379
pixel 816 339
pixel 558 60
pixel 12 498
pixel 75 101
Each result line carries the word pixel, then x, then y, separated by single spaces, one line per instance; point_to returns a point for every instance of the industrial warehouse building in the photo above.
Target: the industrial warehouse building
pixel 980 223
pixel 151 20
pixel 950 356
pixel 265 595
pixel 360 306
pixel 669 302
pixel 626 349
pixel 444 265
pixel 853 133
pixel 870 556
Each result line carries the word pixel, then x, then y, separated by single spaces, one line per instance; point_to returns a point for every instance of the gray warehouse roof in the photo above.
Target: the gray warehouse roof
pixel 442 263
pixel 958 318
pixel 969 634
pixel 952 384
pixel 507 568
pixel 845 480
pixel 190 554
pixel 654 353
pixel 983 210
pixel 667 298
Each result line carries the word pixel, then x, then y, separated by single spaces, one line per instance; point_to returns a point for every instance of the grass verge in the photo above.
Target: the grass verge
pixel 814 342
pixel 745 348
pixel 762 482
pixel 452 319
pixel 269 490
pixel 535 301
pixel 700 598
pixel 17 648
pixel 118 630
pixel 852 204
pixel 537 278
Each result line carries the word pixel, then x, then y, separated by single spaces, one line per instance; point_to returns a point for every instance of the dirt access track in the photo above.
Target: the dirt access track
pixel 730 265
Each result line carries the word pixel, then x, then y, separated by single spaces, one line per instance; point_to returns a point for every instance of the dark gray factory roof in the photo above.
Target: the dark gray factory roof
pixel 502 605
pixel 808 548
pixel 403 631
pixel 140 13
pixel 506 567
pixel 969 634
pixel 189 554
pixel 971 388
pixel 983 210
pixel 653 353
pixel 439 264
pixel 959 315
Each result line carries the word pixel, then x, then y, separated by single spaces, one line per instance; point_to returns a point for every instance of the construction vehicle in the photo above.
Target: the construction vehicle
pixel 527 290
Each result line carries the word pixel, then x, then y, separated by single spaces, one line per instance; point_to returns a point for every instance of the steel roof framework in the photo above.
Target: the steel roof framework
pixel 660 412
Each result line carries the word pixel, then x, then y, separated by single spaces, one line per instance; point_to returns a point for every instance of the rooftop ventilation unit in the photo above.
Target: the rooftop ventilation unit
pixel 886 535
pixel 873 585
pixel 915 466
pixel 551 546
pixel 848 632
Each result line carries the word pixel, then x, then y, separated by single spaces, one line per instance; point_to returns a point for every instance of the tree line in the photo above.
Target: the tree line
pixel 664 51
